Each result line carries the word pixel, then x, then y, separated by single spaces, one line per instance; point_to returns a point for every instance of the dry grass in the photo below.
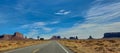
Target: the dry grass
pixel 93 46
pixel 13 44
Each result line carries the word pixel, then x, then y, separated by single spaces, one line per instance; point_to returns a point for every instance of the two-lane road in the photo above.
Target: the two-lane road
pixel 50 47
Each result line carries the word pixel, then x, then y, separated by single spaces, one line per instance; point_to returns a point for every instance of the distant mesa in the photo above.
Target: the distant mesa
pixel 41 38
pixel 59 37
pixel 112 35
pixel 55 37
pixel 15 36
pixel 18 36
pixel 73 38
pixel 90 37
pixel 5 37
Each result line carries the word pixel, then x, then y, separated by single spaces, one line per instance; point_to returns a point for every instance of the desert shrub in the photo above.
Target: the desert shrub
pixel 19 43
pixel 118 49
pixel 112 41
pixel 110 49
pixel 116 45
pixel 74 46
pixel 105 45
pixel 99 44
pixel 88 45
pixel 99 48
pixel 89 41
pixel 4 46
pixel 9 44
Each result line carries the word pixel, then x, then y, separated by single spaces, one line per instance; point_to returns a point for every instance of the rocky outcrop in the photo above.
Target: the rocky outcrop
pixel 6 37
pixel 90 37
pixel 55 37
pixel 112 35
pixel 16 36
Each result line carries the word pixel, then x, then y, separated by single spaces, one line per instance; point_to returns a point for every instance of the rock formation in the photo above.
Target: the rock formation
pixel 55 37
pixel 90 37
pixel 16 36
pixel 112 35
pixel 6 37
pixel 73 38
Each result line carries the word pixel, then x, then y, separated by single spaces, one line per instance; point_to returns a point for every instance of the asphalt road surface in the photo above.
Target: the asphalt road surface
pixel 50 47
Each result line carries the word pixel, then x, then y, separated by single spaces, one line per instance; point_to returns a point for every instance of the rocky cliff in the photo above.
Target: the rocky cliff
pixel 16 36
pixel 112 35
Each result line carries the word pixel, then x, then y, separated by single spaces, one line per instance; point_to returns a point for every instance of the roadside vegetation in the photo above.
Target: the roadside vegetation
pixel 93 45
pixel 6 45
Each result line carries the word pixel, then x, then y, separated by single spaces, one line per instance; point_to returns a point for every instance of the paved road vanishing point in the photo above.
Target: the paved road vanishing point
pixel 50 47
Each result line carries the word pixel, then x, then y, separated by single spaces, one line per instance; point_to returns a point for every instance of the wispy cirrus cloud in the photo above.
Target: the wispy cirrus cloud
pixel 32 33
pixel 95 30
pixel 37 25
pixel 99 19
pixel 55 22
pixel 34 29
pixel 63 12
pixel 103 13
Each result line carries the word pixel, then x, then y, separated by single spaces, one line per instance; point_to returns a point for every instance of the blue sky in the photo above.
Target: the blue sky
pixel 60 17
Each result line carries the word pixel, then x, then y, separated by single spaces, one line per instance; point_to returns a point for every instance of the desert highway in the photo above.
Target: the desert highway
pixel 50 47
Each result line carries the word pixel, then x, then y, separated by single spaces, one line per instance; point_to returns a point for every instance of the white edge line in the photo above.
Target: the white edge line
pixel 62 47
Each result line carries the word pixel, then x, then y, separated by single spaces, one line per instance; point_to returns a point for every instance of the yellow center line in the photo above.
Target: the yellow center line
pixel 36 50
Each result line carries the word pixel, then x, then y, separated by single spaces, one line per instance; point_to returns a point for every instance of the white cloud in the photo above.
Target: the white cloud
pixel 63 12
pixel 34 25
pixel 32 33
pixel 55 22
pixel 47 29
pixel 35 29
pixel 87 25
pixel 37 25
pixel 96 30
pixel 103 13
pixel 99 20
